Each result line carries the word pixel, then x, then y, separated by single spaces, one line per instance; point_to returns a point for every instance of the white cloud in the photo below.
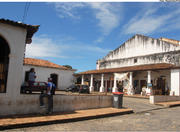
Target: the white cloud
pixel 107 14
pixel 99 40
pixel 149 22
pixel 63 48
pixel 91 49
pixel 43 47
pixel 68 9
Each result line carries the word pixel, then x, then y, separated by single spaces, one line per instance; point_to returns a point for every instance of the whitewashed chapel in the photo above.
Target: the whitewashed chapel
pixel 140 64
pixel 61 76
pixel 13 38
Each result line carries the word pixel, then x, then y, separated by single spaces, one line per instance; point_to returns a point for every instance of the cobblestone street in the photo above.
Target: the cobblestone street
pixel 139 105
pixel 146 117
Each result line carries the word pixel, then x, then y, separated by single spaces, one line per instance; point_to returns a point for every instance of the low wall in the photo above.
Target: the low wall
pixel 161 98
pixel 29 103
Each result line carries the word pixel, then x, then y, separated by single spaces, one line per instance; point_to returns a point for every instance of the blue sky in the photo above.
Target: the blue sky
pixel 78 34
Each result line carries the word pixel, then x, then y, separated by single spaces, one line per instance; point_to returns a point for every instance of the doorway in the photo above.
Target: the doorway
pixel 54 78
pixel 161 85
pixel 27 76
pixel 4 64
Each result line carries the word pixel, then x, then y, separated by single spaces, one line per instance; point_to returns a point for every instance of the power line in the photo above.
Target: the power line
pixel 26 8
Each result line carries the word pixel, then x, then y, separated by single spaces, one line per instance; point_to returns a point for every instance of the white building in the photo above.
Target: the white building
pixel 62 76
pixel 13 38
pixel 140 62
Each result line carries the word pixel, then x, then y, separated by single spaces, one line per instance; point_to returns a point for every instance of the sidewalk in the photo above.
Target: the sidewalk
pixel 24 121
pixel 169 104
pixel 136 96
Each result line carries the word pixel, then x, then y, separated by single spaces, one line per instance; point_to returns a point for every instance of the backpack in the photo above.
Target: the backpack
pixel 53 89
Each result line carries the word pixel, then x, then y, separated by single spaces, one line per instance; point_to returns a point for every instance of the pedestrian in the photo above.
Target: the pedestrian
pixel 49 95
pixel 32 76
pixel 53 89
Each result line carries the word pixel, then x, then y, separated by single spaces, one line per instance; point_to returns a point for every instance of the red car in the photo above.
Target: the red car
pixel 37 87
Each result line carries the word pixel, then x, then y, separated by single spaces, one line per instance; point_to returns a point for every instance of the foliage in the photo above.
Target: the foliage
pixel 68 66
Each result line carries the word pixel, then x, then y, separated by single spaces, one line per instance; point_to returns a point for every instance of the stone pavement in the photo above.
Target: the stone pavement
pixel 139 104
pixel 164 119
pixel 15 122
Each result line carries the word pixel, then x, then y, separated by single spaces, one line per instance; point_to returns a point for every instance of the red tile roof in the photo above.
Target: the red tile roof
pixel 160 66
pixel 172 41
pixel 43 63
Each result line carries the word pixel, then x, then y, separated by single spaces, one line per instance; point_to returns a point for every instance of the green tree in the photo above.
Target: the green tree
pixel 68 66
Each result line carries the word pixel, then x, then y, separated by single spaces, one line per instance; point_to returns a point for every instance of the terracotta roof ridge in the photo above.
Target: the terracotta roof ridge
pixel 42 62
pixel 171 41
pixel 31 29
pixel 17 22
pixel 130 68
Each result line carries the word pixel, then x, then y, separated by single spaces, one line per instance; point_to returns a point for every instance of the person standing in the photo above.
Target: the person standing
pixel 49 95
pixel 32 77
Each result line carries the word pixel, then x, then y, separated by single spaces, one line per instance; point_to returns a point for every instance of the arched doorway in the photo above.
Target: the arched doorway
pixel 54 78
pixel 4 62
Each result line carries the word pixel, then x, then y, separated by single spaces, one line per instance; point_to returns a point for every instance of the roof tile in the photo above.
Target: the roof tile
pixel 31 29
pixel 159 66
pixel 43 63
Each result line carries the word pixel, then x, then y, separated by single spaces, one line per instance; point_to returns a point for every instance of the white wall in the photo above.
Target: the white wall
pixel 158 98
pixel 145 50
pixel 140 45
pixel 29 103
pixel 65 77
pixel 15 37
pixel 175 81
pixel 172 57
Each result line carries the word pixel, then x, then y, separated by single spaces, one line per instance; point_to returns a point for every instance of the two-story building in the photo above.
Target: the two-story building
pixel 139 63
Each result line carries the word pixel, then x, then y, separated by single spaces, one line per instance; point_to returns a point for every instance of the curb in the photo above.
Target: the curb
pixel 41 123
pixel 168 105
pixel 174 105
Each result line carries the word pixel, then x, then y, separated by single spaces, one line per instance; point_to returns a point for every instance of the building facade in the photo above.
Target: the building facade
pixel 62 76
pixel 13 38
pixel 141 64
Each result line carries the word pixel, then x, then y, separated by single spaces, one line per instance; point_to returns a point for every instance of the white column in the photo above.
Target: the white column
pixel 131 90
pixel 130 79
pixel 149 90
pixel 102 83
pixel 175 82
pixel 115 85
pixel 82 80
pixel 91 84
pixel 149 77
